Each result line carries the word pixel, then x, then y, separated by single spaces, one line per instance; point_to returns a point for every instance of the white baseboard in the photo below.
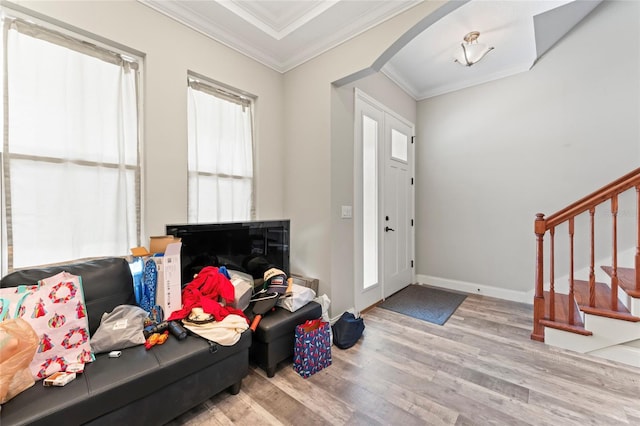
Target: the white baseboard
pixel 474 288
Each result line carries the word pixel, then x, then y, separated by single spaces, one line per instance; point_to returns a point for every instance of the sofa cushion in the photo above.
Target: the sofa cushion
pixel 107 283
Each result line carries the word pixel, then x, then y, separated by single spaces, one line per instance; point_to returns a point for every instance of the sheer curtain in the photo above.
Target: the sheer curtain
pixel 220 155
pixel 71 168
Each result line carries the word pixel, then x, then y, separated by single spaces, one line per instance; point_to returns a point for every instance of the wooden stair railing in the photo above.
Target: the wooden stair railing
pixel 544 310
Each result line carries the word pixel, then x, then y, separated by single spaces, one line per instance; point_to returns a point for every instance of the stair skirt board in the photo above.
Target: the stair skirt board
pixel 606 332
pixel 634 343
pixel 625 354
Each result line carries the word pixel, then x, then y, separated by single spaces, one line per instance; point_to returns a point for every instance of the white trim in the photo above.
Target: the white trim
pixel 358 93
pixel 286 28
pixel 475 288
pixel 363 101
pixel 266 55
pixel 14 10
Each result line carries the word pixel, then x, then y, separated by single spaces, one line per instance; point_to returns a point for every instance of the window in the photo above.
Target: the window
pixel 220 140
pixel 399 146
pixel 70 163
pixel 370 200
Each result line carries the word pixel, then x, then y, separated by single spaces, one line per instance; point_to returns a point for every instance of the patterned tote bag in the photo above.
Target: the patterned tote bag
pixel 56 310
pixel 312 348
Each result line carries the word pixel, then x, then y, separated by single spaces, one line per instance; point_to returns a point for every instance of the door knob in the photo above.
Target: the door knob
pixel 387 229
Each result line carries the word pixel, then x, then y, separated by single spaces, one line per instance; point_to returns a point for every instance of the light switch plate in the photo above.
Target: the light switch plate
pixel 347 212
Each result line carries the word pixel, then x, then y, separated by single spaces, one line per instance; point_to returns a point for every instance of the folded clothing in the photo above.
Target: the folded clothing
pixel 226 332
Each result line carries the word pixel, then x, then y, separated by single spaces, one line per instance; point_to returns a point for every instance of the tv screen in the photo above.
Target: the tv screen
pixel 243 246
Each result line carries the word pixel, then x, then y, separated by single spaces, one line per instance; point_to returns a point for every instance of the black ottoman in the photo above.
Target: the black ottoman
pixel 274 338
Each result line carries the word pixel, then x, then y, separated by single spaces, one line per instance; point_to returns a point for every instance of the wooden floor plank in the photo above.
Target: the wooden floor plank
pixel 479 368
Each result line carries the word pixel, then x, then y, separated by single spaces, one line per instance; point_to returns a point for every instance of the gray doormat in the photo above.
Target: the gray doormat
pixel 425 303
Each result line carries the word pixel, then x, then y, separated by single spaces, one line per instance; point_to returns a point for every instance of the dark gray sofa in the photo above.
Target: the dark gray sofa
pixel 141 387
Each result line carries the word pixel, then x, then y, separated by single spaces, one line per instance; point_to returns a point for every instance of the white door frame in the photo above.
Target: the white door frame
pixel 364 298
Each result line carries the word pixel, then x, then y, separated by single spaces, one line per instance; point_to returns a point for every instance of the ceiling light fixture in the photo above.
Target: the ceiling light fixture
pixel 472 51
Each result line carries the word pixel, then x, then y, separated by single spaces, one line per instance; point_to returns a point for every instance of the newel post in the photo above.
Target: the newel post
pixel 539 226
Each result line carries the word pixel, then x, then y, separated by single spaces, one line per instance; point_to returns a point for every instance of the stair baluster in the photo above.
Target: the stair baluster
pixel 637 259
pixel 571 307
pixel 592 274
pixel 552 287
pixel 614 259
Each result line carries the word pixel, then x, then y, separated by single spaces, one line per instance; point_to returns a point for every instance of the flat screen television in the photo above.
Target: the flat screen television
pixel 244 246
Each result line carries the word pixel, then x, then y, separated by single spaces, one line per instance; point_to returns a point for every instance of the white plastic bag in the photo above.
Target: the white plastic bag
pixel 299 297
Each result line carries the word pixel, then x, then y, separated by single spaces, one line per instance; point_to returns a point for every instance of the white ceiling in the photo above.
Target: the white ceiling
pixel 521 31
pixel 281 34
pixel 284 34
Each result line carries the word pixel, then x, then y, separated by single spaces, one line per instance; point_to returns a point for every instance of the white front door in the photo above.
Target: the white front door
pixel 383 202
pixel 398 205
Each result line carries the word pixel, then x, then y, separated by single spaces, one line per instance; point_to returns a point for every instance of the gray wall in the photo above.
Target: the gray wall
pixel 490 157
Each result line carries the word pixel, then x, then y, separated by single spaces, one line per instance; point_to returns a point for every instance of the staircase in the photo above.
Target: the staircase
pixel 588 316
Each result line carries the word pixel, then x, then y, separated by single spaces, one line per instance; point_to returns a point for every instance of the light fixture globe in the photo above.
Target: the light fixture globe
pixel 472 51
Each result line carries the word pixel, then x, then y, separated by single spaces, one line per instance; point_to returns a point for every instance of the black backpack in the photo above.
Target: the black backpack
pixel 347 330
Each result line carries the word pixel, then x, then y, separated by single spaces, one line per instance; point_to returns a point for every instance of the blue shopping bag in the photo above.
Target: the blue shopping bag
pixel 312 348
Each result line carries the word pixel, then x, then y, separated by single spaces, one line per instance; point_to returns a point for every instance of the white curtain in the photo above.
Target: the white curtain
pixel 220 157
pixel 71 153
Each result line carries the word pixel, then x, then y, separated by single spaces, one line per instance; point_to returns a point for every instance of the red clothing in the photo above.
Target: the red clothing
pixel 204 292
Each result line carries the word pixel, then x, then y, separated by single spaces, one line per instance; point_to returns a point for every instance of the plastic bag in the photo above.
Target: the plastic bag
pixel 18 344
pixel 298 298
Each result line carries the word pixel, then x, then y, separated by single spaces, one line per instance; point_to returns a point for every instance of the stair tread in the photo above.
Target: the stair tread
pixel 626 280
pixel 603 302
pixel 561 320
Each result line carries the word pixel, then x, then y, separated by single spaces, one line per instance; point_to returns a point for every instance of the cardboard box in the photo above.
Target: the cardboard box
pixel 165 252
pixel 169 289
pixel 59 379
pixel 157 245
pixel 311 283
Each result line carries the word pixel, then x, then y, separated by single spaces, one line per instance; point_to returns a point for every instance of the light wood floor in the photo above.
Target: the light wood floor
pixel 480 368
